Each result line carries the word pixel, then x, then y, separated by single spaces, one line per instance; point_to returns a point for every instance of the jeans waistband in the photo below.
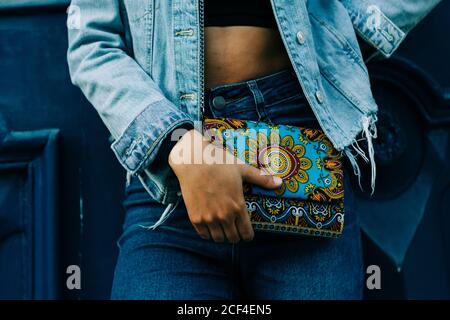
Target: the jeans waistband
pixel 260 92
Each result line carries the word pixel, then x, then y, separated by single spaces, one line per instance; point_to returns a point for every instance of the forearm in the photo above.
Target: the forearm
pixel 139 117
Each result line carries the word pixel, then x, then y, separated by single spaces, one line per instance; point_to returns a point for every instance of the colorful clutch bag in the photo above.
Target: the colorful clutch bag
pixel 311 198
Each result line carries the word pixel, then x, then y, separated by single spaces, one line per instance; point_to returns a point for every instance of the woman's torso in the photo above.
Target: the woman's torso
pixel 239 53
pixel 167 38
pixel 242 41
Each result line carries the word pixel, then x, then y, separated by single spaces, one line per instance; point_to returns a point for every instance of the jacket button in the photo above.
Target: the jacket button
pixel 319 96
pixel 300 37
pixel 219 102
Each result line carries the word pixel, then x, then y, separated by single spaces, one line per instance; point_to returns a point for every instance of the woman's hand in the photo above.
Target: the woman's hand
pixel 212 191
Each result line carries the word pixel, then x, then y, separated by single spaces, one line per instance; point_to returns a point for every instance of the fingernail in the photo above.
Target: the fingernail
pixel 277 180
pixel 249 239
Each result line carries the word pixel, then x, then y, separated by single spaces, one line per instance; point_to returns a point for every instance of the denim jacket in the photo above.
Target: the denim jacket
pixel 140 63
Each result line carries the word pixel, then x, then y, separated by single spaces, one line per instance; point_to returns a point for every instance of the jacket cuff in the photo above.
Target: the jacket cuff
pixel 377 29
pixel 167 144
pixel 139 144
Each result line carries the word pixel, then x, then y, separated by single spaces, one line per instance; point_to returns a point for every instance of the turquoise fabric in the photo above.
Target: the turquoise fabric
pixel 304 158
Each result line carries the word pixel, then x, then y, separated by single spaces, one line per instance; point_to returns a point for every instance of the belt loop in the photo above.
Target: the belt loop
pixel 260 104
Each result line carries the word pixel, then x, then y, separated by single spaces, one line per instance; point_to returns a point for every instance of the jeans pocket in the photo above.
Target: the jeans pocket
pixel 139 217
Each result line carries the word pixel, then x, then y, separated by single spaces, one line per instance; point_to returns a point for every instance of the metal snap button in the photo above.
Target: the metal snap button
pixel 300 37
pixel 219 102
pixel 319 96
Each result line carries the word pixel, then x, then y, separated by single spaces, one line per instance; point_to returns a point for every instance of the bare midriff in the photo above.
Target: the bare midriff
pixel 240 53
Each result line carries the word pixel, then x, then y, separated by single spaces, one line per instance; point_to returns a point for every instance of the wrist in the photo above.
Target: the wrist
pixel 187 149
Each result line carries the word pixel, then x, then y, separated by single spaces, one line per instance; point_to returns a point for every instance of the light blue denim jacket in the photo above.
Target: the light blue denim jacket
pixel 140 64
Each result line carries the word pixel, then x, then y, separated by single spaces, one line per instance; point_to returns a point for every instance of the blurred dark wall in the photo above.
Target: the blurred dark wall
pixel 79 223
pixel 36 93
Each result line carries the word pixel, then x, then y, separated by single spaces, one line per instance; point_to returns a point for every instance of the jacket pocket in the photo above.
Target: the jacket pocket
pixel 342 42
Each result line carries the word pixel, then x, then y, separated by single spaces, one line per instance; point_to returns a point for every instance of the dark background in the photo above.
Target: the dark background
pixel 61 187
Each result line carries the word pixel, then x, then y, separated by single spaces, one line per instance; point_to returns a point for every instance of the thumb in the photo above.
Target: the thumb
pixel 255 176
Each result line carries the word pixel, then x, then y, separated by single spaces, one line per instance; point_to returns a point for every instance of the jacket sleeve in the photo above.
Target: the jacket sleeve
pixel 383 24
pixel 137 114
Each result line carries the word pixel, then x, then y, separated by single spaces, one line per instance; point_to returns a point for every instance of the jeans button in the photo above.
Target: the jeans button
pixel 219 102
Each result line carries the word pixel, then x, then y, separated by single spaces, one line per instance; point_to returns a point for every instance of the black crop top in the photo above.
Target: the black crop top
pixel 239 13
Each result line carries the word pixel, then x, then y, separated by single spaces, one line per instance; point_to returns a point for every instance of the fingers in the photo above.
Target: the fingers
pixel 216 232
pixel 227 220
pixel 202 231
pixel 255 176
pixel 232 229
pixel 212 229
pixel 244 227
pixel 231 232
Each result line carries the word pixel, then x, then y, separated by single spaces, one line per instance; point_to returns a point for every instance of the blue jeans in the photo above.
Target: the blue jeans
pixel 173 262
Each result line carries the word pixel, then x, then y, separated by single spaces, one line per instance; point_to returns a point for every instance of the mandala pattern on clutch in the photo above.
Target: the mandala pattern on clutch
pixel 311 199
